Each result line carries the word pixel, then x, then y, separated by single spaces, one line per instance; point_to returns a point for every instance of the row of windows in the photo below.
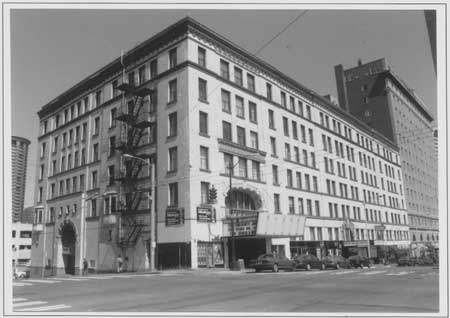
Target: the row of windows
pixel 135 77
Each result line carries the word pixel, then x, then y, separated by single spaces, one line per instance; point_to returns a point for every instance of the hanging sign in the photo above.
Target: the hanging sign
pixel 174 217
pixel 206 214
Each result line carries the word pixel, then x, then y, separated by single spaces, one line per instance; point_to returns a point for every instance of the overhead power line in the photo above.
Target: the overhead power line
pixel 281 32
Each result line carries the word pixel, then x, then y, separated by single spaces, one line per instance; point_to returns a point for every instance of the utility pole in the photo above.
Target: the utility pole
pixel 152 216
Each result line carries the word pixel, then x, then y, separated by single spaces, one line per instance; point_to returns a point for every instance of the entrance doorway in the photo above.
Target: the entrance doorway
pixel 68 239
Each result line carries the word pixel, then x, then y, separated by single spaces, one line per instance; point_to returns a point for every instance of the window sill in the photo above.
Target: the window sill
pixel 254 122
pixel 205 170
pixel 205 101
pixel 171 138
pixel 226 111
pixel 241 117
pixel 204 135
pixel 171 102
pixel 171 172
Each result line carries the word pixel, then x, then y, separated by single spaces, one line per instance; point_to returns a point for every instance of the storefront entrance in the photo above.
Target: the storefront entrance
pixel 247 248
pixel 68 239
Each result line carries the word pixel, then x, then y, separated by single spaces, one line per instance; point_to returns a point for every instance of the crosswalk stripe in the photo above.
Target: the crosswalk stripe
pixel 44 308
pixel 19 299
pixel 372 273
pixel 43 281
pixel 29 303
pixel 22 284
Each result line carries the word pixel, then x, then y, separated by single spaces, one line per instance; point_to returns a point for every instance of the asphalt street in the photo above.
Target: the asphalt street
pixel 378 289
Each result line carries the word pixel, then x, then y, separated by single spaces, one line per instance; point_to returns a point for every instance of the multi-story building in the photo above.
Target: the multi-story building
pixel 19 157
pixel 21 243
pixel 375 94
pixel 248 161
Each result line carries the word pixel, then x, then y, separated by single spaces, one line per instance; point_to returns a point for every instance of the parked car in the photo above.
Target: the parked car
pixel 359 261
pixel 425 260
pixel 407 261
pixel 336 262
pixel 308 261
pixel 19 274
pixel 271 262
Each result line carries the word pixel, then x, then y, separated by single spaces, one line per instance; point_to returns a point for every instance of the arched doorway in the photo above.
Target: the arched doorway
pixel 68 235
pixel 241 202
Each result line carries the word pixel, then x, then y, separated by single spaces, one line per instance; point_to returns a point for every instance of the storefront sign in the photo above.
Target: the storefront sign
pixel 278 225
pixel 243 226
pixel 206 214
pixel 174 217
pixel 349 243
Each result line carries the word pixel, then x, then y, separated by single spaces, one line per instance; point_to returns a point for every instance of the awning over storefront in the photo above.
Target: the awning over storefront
pixel 278 225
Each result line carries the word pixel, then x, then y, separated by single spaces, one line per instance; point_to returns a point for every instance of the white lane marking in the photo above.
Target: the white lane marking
pixel 21 284
pixel 44 308
pixel 29 303
pixel 43 281
pixel 372 273
pixel 346 272
pixel 71 279
pixel 19 299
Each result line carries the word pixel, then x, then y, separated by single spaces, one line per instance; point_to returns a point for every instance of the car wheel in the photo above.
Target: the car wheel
pixel 308 267
pixel 337 266
pixel 275 268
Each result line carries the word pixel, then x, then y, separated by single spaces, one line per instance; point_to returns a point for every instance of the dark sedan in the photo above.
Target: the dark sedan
pixel 407 261
pixel 271 262
pixel 308 261
pixel 359 261
pixel 336 262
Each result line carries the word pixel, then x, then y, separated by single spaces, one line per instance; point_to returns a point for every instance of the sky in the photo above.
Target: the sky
pixel 52 50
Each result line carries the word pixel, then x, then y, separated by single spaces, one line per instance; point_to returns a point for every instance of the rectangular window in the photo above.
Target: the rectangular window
pixel 252 112
pixel 308 112
pixel 173 154
pixel 226 105
pixel 173 124
pixel 82 182
pixel 228 163
pixel 271 120
pixel 43 146
pixel 204 189
pixel 269 91
pixel 292 103
pixel 250 82
pixel 153 68
pixel 204 158
pixel 172 91
pixel 241 136
pixel 254 140
pixel 273 146
pixel 112 146
pixel 317 205
pixel 256 175
pixel 287 151
pixel 291 205
pixel 240 112
pixel 303 133
pixel 111 175
pixel 238 76
pixel 112 117
pixel 224 69
pixel 203 123
pixel 243 168
pixel 41 172
pixel 141 75
pixel 308 207
pixel 83 156
pixel 40 194
pixel 276 203
pixel 84 133
pixel 172 57
pixel 275 175
pixel 202 90
pixel 283 99
pixel 98 98
pixel 298 177
pixel 301 209
pixel 95 152
pixel 226 131
pixel 307 183
pixel 93 207
pixel 201 56
pixel 294 130
pixel 311 137
pixel 94 183
pixel 173 194
pixel 289 178
pixel 285 126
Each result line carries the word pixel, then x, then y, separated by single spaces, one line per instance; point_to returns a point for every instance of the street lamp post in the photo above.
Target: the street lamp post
pixel 151 198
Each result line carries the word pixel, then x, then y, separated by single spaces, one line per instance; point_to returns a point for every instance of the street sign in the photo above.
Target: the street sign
pixel 206 214
pixel 174 217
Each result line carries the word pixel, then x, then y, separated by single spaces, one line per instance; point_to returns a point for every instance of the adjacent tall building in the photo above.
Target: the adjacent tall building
pixel 19 157
pixel 376 95
pixel 248 161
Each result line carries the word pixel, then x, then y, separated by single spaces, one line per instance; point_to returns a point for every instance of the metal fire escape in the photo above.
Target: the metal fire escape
pixel 137 124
